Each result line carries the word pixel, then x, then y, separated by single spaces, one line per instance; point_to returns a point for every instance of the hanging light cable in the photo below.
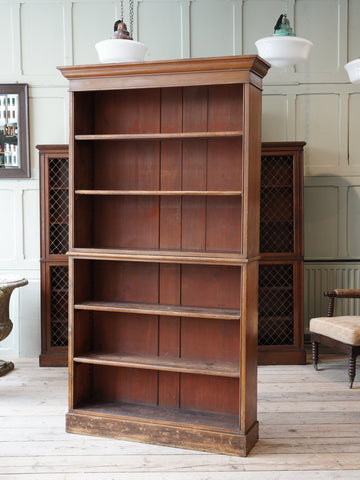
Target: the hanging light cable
pixel 121 47
pixel 283 48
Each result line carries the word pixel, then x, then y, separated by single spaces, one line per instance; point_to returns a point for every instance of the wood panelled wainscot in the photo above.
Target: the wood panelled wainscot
pixel 163 258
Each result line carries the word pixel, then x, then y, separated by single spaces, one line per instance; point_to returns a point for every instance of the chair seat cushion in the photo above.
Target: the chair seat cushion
pixel 344 329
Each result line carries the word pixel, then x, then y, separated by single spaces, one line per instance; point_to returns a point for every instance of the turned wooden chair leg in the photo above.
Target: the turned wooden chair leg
pixel 352 368
pixel 315 354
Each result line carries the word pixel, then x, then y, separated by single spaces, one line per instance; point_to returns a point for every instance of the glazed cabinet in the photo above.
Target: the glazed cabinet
pixel 281 284
pixel 54 244
pixel 163 259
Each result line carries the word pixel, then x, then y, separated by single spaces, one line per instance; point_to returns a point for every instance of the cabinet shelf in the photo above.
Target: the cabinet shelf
pixel 167 364
pixel 55 187
pixel 160 136
pixel 162 415
pixel 282 185
pixel 277 222
pixel 156 309
pixel 275 319
pixel 161 192
pixel 271 288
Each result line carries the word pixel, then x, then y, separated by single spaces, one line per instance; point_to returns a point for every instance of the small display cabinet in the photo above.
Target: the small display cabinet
pixel 54 238
pixel 281 317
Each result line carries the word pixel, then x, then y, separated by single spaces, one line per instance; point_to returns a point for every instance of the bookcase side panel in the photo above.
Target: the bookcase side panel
pixel 252 168
pixel 249 341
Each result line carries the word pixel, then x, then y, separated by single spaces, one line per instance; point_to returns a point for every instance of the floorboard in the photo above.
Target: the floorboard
pixel 309 429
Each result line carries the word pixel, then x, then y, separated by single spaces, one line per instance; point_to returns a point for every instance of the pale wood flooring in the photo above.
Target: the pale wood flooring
pixel 309 429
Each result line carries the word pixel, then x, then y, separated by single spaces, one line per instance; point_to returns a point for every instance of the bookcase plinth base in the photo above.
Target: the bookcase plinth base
pixel 179 436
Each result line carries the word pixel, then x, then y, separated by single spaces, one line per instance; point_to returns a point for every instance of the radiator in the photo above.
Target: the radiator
pixel 318 277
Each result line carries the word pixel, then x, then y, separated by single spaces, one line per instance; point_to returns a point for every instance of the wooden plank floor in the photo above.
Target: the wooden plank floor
pixel 309 429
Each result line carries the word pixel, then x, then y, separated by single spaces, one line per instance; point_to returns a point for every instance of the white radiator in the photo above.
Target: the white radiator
pixel 318 277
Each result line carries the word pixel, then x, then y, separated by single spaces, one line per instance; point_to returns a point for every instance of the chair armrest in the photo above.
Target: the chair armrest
pixel 343 293
pixel 339 293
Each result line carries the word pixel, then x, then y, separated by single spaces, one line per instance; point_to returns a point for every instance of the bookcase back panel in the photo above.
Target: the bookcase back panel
pixel 131 222
pixel 196 164
pixel 122 333
pixel 220 339
pixel 128 385
pixel 126 281
pixel 126 165
pixel 212 394
pixel 127 111
pixel 194 108
pixel 125 333
pixel 188 224
pixel 214 286
pixel 100 384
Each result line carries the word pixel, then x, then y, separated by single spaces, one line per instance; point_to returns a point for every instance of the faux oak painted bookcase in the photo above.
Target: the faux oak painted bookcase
pixel 164 245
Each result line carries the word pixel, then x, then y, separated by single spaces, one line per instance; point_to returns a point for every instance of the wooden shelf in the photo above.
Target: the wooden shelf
pixel 160 136
pixel 162 256
pixel 162 415
pixel 155 309
pixel 167 364
pixel 161 192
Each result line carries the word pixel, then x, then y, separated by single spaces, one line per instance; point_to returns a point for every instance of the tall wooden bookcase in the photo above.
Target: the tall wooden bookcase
pixel 281 312
pixel 163 259
pixel 54 244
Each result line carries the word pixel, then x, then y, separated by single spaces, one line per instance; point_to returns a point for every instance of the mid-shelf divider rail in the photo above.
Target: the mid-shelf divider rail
pixel 164 187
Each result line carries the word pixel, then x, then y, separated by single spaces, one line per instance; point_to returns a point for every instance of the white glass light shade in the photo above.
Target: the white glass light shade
pixel 120 50
pixel 353 70
pixel 283 51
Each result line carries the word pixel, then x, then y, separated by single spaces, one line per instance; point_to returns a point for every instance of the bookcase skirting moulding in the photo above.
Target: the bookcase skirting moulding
pixel 163 251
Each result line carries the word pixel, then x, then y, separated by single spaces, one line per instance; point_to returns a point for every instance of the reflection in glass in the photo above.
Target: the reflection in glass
pixel 9 156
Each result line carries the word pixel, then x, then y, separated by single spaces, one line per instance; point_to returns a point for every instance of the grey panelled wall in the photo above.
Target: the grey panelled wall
pixel 313 102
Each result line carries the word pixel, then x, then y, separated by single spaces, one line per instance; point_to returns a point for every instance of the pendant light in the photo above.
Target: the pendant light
pixel 283 48
pixel 121 47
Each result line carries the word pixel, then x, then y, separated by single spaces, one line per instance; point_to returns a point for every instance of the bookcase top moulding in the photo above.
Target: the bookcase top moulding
pixel 167 73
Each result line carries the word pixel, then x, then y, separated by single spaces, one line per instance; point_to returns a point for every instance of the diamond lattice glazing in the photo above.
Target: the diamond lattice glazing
pixel 58 206
pixel 276 305
pixel 59 306
pixel 277 205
